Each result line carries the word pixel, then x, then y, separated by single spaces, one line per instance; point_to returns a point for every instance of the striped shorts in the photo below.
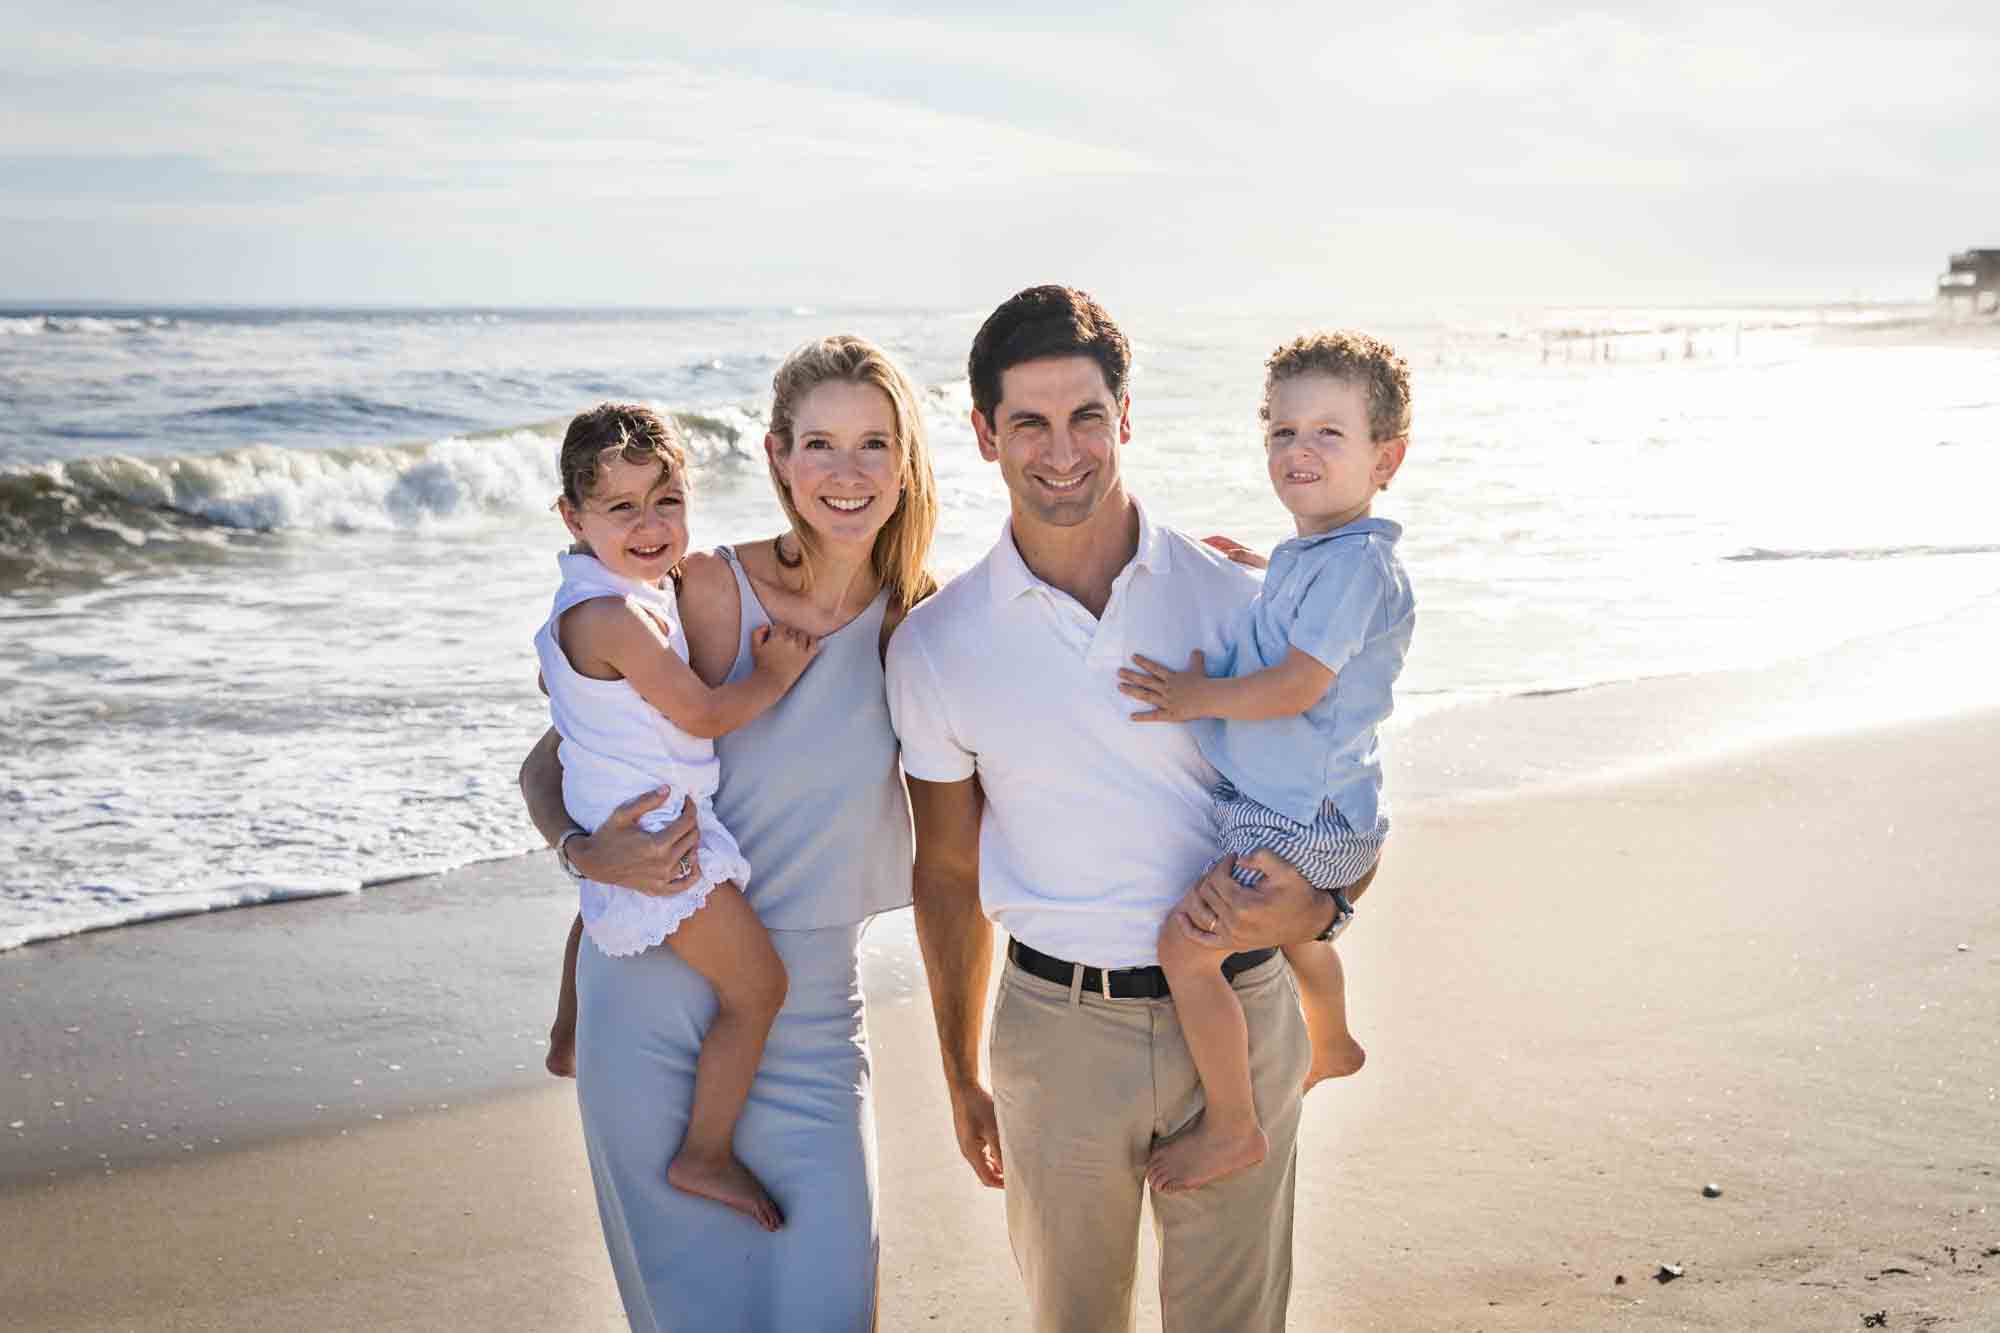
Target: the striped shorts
pixel 1328 851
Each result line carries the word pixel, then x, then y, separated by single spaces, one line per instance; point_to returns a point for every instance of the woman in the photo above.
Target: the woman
pixel 813 793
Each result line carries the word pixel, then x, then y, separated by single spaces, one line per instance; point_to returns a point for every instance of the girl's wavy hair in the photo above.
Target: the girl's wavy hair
pixel 636 434
pixel 632 433
pixel 903 545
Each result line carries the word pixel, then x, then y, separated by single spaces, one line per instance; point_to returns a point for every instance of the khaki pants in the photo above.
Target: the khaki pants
pixel 1084 1088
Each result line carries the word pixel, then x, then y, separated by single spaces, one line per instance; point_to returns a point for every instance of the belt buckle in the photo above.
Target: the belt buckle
pixel 1104 976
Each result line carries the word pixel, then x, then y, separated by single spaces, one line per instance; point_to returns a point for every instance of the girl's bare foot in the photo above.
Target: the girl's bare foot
pixel 728 1182
pixel 1335 1059
pixel 561 1060
pixel 1205 1154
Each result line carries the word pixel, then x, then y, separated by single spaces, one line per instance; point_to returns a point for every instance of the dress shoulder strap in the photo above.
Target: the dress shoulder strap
pixel 749 618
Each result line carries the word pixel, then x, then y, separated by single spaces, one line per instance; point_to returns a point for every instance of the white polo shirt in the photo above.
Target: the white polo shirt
pixel 1094 824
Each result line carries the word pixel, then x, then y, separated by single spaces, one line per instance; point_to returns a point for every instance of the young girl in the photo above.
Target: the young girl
pixel 633 716
pixel 1289 719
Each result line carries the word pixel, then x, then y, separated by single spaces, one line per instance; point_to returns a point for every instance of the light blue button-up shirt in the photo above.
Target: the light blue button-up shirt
pixel 1342 598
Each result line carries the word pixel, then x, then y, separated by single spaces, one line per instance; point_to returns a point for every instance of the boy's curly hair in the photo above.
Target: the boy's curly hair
pixel 1358 358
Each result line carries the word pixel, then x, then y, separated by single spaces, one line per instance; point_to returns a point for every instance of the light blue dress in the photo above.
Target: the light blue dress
pixel 813 793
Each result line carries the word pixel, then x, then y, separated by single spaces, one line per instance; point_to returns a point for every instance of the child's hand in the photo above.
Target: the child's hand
pixel 782 651
pixel 1175 696
pixel 1237 551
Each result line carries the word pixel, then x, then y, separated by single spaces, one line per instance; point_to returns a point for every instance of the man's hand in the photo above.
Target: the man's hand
pixel 978 1132
pixel 622 853
pixel 1173 696
pixel 1237 551
pixel 1283 908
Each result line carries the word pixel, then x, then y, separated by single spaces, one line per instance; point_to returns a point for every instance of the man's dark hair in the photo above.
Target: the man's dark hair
pixel 1043 322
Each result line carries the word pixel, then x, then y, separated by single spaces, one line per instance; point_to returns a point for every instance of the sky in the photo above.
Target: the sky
pixel 1433 156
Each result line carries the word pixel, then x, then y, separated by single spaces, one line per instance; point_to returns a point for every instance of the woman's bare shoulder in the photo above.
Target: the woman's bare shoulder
pixel 703 575
pixel 709 613
pixel 759 559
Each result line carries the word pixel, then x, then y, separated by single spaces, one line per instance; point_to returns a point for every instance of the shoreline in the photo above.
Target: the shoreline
pixel 1471 747
pixel 1630 940
pixel 1583 1003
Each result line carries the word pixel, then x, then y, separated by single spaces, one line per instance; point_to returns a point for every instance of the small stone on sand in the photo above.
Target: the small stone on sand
pixel 1667 1273
pixel 1711 1191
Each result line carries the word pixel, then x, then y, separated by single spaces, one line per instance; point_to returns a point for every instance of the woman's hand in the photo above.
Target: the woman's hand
pixel 622 853
pixel 1237 551
pixel 1172 696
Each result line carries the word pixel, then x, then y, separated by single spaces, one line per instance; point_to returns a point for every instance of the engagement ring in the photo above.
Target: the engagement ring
pixel 684 868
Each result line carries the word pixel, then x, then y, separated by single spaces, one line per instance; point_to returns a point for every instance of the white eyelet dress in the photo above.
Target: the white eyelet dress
pixel 615 745
pixel 813 792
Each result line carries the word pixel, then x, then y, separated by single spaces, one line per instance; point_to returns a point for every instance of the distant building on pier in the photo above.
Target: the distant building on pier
pixel 1974 278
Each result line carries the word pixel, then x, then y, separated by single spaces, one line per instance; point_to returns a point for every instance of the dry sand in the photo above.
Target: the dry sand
pixel 1581 1006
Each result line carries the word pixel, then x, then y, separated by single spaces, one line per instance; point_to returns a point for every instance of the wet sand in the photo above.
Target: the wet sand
pixel 1582 1005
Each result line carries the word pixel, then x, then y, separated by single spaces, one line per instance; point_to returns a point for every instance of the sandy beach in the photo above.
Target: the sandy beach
pixel 1770 965
pixel 1679 400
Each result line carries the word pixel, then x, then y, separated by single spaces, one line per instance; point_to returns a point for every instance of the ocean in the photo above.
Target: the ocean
pixel 268 577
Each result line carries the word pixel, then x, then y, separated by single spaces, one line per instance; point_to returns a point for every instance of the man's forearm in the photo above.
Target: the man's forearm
pixel 957 943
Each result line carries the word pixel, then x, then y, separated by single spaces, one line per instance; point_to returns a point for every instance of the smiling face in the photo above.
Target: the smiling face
pixel 633 519
pixel 1055 432
pixel 844 465
pixel 1325 465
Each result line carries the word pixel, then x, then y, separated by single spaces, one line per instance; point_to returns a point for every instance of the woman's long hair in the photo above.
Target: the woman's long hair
pixel 902 547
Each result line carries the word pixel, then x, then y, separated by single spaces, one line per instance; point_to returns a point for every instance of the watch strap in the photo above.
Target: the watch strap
pixel 1343 916
pixel 562 854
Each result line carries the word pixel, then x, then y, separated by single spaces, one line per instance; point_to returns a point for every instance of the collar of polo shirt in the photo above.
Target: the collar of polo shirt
pixel 1386 526
pixel 1011 576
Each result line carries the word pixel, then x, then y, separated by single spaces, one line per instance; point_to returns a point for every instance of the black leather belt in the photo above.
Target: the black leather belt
pixel 1121 983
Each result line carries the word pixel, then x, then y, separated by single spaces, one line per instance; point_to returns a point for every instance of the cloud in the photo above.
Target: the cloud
pixel 890 150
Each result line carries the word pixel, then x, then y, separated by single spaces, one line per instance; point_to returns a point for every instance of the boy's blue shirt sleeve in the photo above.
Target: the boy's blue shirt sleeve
pixel 1342 604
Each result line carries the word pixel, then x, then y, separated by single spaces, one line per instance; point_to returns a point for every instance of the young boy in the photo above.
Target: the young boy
pixel 1289 719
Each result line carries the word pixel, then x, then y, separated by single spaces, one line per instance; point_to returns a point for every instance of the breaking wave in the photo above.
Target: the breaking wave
pixel 83 520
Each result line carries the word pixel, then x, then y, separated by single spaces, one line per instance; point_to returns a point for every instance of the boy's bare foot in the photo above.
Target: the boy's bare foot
pixel 727 1181
pixel 1203 1155
pixel 1335 1059
pixel 561 1059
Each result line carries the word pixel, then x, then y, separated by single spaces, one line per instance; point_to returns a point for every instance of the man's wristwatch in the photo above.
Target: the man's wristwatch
pixel 562 854
pixel 1343 913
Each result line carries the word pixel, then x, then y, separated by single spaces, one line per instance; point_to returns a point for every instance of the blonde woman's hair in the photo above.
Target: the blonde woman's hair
pixel 903 545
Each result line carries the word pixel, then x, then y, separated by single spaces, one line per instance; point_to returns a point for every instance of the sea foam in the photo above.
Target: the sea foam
pixel 71 521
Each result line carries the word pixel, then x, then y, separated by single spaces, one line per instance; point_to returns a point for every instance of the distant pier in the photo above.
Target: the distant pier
pixel 1974 280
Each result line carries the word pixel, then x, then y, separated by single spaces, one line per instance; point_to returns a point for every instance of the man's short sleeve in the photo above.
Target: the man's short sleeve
pixel 932 750
pixel 1342 604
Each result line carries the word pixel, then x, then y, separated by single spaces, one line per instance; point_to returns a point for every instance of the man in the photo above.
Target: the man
pixel 1037 799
